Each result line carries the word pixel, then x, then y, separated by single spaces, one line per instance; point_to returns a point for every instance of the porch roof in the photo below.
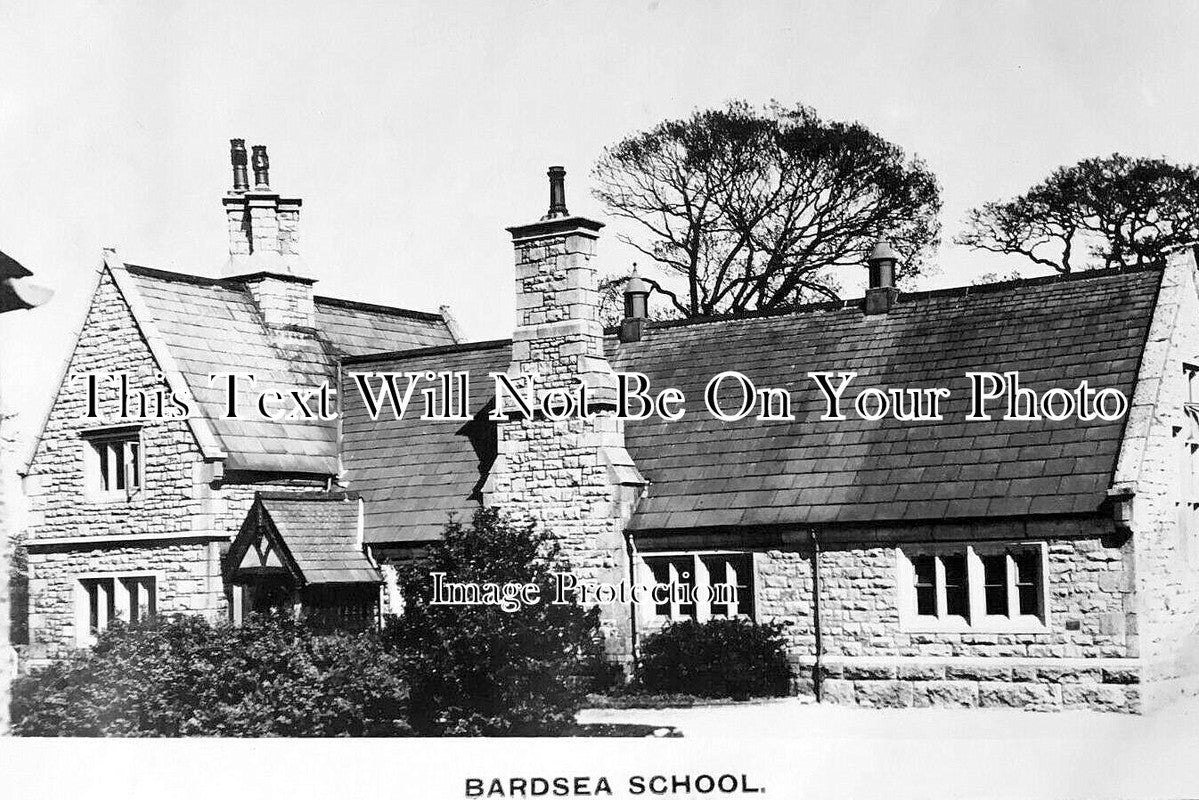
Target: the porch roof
pixel 316 536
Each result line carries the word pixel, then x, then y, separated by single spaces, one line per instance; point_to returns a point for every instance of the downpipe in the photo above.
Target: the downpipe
pixel 817 669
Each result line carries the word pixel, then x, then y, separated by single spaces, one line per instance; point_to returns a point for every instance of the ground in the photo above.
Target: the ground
pixel 842 751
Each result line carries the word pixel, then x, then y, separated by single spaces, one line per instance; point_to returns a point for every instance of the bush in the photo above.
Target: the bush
pixel 185 677
pixel 480 670
pixel 720 658
pixel 18 593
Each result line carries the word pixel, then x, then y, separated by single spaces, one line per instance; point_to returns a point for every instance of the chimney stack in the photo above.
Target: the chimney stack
pixel 263 242
pixel 573 476
pixel 881 293
pixel 636 308
pixel 557 300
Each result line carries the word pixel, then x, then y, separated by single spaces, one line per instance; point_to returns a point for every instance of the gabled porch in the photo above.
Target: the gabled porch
pixel 303 554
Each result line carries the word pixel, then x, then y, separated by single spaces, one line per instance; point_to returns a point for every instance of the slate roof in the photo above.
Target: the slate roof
pixel 707 473
pixel 320 533
pixel 414 473
pixel 212 326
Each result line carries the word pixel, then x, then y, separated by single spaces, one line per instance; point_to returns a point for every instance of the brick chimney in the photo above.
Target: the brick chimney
pixel 881 293
pixel 574 478
pixel 263 242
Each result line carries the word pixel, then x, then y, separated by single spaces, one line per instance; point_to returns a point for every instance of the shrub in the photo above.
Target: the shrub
pixel 720 658
pixel 185 677
pixel 480 670
pixel 18 593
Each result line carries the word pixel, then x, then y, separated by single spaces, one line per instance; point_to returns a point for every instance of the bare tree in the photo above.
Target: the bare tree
pixel 1101 212
pixel 758 208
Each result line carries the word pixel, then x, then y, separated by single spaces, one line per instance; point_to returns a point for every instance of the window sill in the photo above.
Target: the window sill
pixel 110 498
pixel 1022 625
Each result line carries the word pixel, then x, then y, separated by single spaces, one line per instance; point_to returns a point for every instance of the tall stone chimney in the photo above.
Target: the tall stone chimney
pixel 264 242
pixel 573 478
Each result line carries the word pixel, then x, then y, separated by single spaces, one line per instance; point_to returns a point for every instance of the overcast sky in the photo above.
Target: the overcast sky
pixel 415 132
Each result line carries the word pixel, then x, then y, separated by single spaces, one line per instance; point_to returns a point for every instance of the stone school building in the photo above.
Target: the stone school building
pixel 1038 563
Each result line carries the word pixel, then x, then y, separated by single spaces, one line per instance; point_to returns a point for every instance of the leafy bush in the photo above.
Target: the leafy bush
pixel 185 677
pixel 719 658
pixel 18 593
pixel 480 670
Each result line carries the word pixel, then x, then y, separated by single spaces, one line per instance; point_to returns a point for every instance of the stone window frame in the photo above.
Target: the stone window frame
pixel 977 620
pixel 119 599
pixel 1189 433
pixel 647 613
pixel 92 440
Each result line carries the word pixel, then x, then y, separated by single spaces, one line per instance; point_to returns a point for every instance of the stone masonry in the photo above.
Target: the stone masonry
pixel 1085 658
pixel 572 477
pixel 176 527
pixel 1163 509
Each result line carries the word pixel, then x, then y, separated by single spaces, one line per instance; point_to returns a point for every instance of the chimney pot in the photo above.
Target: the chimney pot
pixel 881 293
pixel 262 166
pixel 237 156
pixel 636 307
pixel 557 176
pixel 881 263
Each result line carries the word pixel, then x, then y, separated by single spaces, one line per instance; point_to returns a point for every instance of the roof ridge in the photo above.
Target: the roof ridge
pixel 949 291
pixel 231 283
pixel 169 275
pixel 428 316
pixel 396 355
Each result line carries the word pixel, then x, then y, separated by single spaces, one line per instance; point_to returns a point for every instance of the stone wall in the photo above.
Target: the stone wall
pixel 188 573
pixel 1086 656
pixel 1151 469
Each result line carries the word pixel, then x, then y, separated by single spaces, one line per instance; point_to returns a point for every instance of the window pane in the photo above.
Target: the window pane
pixel 995 583
pixel 135 465
pixel 118 463
pixel 1028 581
pixel 735 571
pixel 956 596
pixel 102 457
pixel 151 593
pixel 683 575
pixel 718 569
pixel 926 585
pixel 660 567
pixel 93 605
pixel 742 574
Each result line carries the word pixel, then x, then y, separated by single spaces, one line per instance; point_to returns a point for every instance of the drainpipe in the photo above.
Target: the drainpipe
pixel 817 670
pixel 631 551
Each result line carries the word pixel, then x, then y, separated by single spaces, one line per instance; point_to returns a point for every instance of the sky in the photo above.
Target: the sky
pixel 416 132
